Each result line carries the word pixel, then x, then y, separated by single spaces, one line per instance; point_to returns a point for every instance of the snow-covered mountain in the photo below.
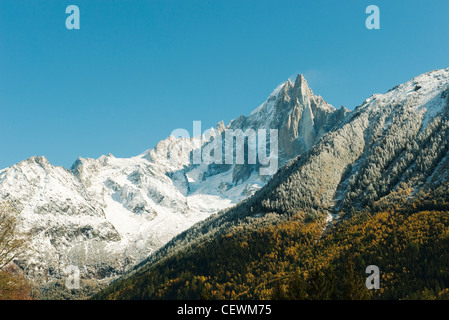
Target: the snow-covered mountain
pixel 392 147
pixel 389 157
pixel 103 215
pixel 390 141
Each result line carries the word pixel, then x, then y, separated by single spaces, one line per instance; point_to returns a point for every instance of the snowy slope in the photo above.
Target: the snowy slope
pixel 391 142
pixel 103 215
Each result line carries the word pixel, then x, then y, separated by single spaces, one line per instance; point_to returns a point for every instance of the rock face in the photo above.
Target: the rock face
pixel 106 214
pixel 103 215
pixel 310 117
pixel 300 117
pixel 391 142
pixel 59 215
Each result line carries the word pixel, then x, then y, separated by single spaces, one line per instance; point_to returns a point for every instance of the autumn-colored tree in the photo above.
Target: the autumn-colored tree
pixel 278 292
pixel 13 284
pixel 353 286
pixel 297 287
pixel 10 241
pixel 321 285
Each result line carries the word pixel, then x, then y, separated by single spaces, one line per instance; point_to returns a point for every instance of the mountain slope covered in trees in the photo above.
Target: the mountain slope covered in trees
pixel 354 175
pixel 106 214
pixel 293 259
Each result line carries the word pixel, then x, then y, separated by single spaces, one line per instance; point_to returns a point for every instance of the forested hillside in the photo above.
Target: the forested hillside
pixel 372 191
pixel 408 241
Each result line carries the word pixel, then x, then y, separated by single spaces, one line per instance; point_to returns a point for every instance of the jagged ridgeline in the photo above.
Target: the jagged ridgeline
pixel 105 215
pixel 392 149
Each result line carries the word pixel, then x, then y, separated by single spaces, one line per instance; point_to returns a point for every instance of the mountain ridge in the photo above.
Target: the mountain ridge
pixel 141 202
pixel 105 215
pixel 365 156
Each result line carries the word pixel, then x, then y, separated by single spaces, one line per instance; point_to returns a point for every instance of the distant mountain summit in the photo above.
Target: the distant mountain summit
pixel 390 157
pixel 103 215
pixel 392 144
pixel 301 117
pixel 391 139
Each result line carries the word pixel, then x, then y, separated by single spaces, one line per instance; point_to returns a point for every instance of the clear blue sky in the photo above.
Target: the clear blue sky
pixel 136 70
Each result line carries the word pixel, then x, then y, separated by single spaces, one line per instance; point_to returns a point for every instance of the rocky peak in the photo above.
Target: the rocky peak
pixel 301 88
